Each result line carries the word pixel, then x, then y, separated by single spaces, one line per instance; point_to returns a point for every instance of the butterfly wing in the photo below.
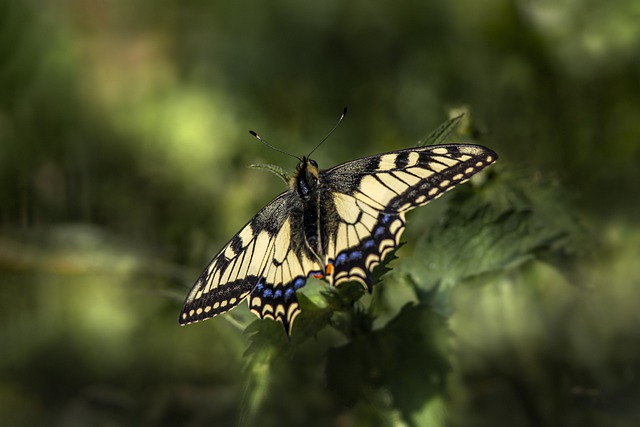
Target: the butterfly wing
pixel 261 262
pixel 372 195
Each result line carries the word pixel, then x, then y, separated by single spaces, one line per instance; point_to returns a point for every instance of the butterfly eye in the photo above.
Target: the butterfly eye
pixel 313 162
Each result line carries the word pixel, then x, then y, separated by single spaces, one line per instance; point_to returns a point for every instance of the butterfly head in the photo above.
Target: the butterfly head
pixel 305 179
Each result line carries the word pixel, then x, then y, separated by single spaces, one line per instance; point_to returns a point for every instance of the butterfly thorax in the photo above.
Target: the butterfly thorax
pixel 305 179
pixel 306 185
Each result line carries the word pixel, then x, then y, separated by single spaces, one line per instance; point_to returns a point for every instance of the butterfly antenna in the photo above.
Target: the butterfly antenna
pixel 272 147
pixel 344 113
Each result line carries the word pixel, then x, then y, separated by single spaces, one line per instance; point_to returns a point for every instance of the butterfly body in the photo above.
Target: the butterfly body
pixel 337 224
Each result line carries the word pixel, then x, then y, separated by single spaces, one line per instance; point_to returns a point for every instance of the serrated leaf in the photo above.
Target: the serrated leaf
pixel 478 242
pixel 274 169
pixel 348 317
pixel 487 230
pixel 268 337
pixel 267 345
pixel 344 296
pixel 311 321
pixel 257 376
pixel 441 133
pixel 379 360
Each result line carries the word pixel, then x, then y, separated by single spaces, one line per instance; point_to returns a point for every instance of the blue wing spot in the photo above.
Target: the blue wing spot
pixel 385 218
pixel 289 293
pixel 379 231
pixel 368 244
pixel 277 294
pixel 299 282
pixel 341 259
pixel 268 293
pixel 260 286
pixel 355 255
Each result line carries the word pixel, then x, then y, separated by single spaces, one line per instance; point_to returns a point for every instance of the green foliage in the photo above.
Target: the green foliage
pixel 276 170
pixel 442 132
pixel 376 362
pixel 493 230
pixel 490 230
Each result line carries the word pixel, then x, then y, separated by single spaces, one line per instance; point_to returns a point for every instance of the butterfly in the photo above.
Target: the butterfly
pixel 336 224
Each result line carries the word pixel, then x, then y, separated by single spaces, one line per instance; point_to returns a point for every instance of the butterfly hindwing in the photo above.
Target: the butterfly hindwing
pixel 359 245
pixel 286 271
pixel 372 195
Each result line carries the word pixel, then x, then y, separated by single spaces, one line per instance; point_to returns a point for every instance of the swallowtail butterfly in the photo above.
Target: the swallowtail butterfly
pixel 337 224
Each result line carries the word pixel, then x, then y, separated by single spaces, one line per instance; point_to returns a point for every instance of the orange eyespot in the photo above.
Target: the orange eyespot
pixel 318 275
pixel 329 270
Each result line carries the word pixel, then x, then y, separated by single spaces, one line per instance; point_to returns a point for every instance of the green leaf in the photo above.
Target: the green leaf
pixel 343 297
pixel 349 316
pixel 257 376
pixel 441 133
pixel 379 360
pixel 268 336
pixel 489 229
pixel 268 345
pixel 274 169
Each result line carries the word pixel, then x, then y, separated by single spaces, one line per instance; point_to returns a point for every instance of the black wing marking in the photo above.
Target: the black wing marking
pixel 372 195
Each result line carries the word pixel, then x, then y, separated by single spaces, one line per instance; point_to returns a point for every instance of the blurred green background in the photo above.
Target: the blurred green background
pixel 123 169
